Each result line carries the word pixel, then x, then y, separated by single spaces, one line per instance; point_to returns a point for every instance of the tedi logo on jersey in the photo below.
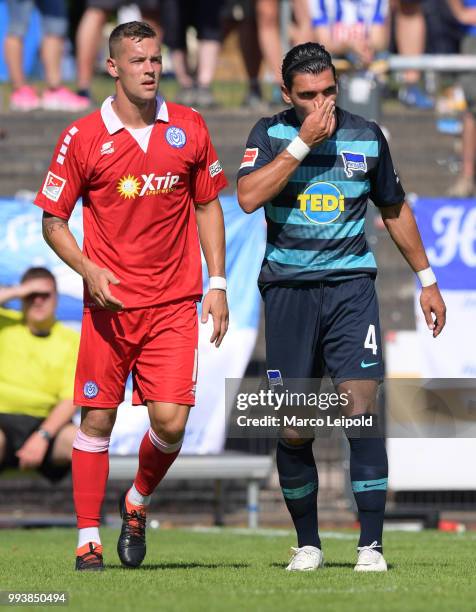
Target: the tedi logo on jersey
pixel 130 186
pixel 321 203
pixel 354 162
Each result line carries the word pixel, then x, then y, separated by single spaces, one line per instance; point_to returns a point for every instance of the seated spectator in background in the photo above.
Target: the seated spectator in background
pixel 37 363
pixel 54 26
pixel 356 29
pixel 465 13
pixel 205 16
pixel 269 35
pixel 410 35
pixel 89 34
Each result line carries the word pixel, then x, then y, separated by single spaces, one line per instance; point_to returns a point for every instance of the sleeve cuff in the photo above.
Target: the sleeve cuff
pixel 51 211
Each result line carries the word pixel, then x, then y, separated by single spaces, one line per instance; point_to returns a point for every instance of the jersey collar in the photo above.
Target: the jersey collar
pixel 114 124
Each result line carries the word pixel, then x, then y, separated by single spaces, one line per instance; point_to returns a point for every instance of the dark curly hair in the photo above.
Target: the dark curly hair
pixel 309 58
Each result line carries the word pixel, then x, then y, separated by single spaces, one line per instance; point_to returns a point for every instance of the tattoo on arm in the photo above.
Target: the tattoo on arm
pixel 52 224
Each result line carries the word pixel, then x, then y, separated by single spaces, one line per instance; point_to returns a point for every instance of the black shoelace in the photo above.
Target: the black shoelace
pixel 135 524
pixel 91 556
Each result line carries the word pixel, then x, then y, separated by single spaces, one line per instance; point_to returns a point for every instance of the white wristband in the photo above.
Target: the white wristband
pixel 217 282
pixel 298 148
pixel 427 277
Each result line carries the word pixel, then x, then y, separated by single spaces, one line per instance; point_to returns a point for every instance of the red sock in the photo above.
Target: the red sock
pixel 90 472
pixel 153 462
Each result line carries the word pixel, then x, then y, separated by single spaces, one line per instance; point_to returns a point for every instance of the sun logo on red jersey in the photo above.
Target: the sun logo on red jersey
pixel 129 186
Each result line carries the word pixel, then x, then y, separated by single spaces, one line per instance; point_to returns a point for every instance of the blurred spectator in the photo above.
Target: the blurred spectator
pixel 410 34
pixel 54 28
pixel 356 29
pixel 300 30
pixel 269 35
pixel 89 34
pixel 465 12
pixel 444 32
pixel 37 362
pixel 241 14
pixel 443 36
pixel 205 17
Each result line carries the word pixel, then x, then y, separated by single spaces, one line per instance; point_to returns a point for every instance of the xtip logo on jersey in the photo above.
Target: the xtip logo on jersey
pixel 321 203
pixel 130 186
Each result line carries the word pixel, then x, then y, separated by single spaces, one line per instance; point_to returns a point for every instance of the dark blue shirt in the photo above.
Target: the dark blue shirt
pixel 316 223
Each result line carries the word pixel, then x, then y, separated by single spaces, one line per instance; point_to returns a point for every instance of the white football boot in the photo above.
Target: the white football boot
pixel 305 559
pixel 370 559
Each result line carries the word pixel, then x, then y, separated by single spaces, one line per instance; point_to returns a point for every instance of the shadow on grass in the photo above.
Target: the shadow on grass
pixel 182 566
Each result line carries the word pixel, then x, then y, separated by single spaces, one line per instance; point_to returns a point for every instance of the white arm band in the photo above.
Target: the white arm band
pixel 427 277
pixel 298 148
pixel 217 282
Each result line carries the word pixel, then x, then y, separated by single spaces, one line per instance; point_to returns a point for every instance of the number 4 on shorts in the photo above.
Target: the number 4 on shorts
pixel 371 340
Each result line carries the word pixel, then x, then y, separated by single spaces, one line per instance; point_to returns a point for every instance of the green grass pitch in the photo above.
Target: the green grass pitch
pixel 191 571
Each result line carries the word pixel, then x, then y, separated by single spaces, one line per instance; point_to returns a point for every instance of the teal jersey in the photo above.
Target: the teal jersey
pixel 315 225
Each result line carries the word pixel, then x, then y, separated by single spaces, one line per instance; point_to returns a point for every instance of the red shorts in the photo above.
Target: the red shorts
pixel 157 344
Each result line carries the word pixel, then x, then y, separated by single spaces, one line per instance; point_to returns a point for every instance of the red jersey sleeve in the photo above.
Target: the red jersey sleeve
pixel 65 177
pixel 208 179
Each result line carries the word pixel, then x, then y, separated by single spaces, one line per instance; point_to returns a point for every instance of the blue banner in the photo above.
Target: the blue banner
pixel 448 230
pixel 22 246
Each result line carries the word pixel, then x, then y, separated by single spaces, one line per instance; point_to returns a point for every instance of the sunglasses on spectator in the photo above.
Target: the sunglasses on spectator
pixel 44 295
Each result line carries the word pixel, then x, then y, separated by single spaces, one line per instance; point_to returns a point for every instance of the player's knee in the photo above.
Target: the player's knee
pixel 266 14
pixel 170 431
pixel 361 397
pixel 168 421
pixel 364 407
pixel 409 9
pixel 96 422
pixel 3 445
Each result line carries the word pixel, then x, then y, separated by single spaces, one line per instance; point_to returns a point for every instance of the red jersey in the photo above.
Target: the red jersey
pixel 138 207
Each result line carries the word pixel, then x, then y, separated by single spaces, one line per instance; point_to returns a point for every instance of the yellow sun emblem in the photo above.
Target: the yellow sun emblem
pixel 128 186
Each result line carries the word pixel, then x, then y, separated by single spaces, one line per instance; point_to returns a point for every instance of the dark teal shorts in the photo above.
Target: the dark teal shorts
pixel 329 328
